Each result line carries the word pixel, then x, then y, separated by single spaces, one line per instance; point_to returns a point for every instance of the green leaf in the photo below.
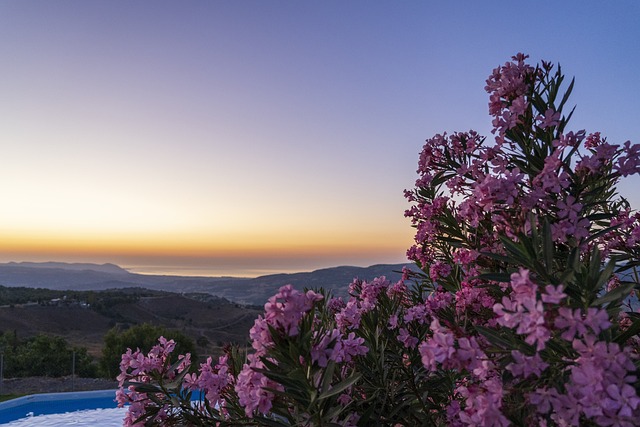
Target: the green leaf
pixel 595 268
pixel 496 277
pixel 495 337
pixel 340 387
pixel 143 387
pixel 617 294
pixel 176 383
pixel 517 251
pixel 547 248
pixel 497 257
pixel 271 422
pixel 566 95
pixel 600 233
pixel 327 376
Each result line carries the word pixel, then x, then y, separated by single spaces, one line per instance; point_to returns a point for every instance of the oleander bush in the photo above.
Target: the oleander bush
pixel 522 313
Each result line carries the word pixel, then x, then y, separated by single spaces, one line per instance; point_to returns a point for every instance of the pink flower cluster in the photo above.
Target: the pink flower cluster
pixel 333 346
pixel 491 193
pixel 481 391
pixel 283 312
pixel 364 296
pixel 600 385
pixel 468 197
pixel 524 312
pixel 625 236
pixel 253 387
pixel 483 402
pixel 136 367
pixel 444 350
pixel 508 86
pixel 212 380
pixel 599 388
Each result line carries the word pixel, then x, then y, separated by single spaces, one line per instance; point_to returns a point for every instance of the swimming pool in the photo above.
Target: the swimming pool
pixel 28 409
pixel 111 417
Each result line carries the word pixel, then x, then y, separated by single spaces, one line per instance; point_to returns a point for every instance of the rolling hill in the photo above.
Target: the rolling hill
pixel 254 291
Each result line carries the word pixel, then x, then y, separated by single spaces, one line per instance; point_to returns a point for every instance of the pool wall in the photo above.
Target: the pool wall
pixel 55 403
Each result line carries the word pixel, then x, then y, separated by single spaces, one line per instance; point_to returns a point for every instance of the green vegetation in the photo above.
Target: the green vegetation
pixel 20 295
pixel 43 355
pixel 143 337
pixel 41 328
pixel 99 301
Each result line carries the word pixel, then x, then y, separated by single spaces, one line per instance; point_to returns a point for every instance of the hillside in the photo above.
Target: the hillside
pixel 81 302
pixel 255 291
pixel 84 317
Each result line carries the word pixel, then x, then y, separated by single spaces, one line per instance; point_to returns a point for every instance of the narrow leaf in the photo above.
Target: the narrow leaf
pixel 495 337
pixel 617 294
pixel 341 386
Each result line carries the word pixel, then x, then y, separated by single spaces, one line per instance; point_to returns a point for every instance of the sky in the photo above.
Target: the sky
pixel 247 137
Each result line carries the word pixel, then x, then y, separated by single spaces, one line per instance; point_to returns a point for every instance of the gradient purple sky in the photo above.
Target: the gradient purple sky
pixel 245 137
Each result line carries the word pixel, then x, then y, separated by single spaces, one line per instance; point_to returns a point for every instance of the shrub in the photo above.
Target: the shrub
pixel 521 313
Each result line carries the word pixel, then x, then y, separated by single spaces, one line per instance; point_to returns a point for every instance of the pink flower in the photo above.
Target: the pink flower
pixel 553 294
pixel 251 387
pixel 621 400
pixel 483 403
pixel 524 366
pixel 437 349
pixel 335 305
pixel 399 289
pixel 416 313
pixel 472 299
pixel 211 379
pixel 542 399
pixel 549 119
pixel 350 347
pixel 260 335
pixel 344 399
pixel 438 300
pixel 597 319
pixel 506 87
pixel 324 349
pixel 393 321
pixel 406 339
pixel 577 323
pixel 522 311
pixel 349 316
pixel 629 162
pixel 439 270
pixel 592 140
pixel 285 309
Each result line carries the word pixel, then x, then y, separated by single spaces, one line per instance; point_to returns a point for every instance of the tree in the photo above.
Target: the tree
pixel 143 337
pixel 45 356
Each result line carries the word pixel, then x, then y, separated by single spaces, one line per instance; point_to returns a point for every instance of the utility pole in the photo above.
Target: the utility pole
pixel 1 371
pixel 73 372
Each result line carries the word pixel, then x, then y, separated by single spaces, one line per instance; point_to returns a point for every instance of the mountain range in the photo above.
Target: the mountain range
pixel 247 291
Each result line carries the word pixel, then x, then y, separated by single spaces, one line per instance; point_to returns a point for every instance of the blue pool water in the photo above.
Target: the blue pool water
pixel 55 403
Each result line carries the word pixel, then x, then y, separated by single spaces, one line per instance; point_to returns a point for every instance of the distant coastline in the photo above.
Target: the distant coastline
pixel 170 270
pixel 241 290
pixel 214 269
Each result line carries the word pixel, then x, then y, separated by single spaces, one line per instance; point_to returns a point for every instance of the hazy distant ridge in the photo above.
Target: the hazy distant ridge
pixel 85 276
pixel 76 266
